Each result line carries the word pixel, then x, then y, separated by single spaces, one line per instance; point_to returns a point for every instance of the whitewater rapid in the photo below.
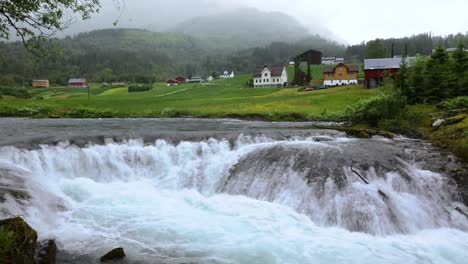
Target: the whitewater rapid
pixel 252 200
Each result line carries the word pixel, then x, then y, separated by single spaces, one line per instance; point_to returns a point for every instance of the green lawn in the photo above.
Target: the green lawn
pixel 219 98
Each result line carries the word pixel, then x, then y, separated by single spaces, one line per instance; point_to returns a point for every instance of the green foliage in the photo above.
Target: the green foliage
pixel 435 78
pixel 139 88
pixel 7 242
pixel 387 105
pixel 460 102
pixel 375 49
pixel 408 46
pixel 34 20
pixel 16 92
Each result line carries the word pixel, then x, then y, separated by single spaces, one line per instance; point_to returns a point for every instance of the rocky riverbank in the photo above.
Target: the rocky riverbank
pixel 19 244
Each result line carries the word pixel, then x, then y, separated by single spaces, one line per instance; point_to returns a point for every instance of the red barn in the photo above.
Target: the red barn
pixel 172 83
pixel 181 79
pixel 76 83
pixel 376 69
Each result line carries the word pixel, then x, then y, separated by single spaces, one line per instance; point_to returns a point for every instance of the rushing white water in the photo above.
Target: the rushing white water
pixel 214 202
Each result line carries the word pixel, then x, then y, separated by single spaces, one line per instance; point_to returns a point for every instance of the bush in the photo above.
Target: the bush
pixel 136 88
pixel 16 92
pixel 375 109
pixel 460 102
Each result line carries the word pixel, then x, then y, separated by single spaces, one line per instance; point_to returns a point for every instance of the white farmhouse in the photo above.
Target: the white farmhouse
pixel 227 75
pixel 268 77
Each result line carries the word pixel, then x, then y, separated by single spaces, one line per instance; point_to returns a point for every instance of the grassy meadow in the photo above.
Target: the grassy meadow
pixel 219 98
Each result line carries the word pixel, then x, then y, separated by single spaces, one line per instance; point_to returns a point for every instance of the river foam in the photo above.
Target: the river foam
pixel 186 203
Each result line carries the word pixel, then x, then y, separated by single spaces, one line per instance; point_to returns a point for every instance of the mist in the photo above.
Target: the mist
pixel 347 22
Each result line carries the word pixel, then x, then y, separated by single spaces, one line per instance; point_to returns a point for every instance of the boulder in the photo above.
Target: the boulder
pixel 17 241
pixel 46 252
pixel 115 254
pixel 438 123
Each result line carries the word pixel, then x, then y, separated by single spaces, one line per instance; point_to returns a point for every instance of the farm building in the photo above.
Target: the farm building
pixel 227 75
pixel 75 83
pixel 41 83
pixel 181 79
pixel 195 79
pixel 340 75
pixel 332 60
pixel 268 77
pixel 172 83
pixel 376 69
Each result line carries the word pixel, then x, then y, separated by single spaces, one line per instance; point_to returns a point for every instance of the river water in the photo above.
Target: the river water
pixel 230 191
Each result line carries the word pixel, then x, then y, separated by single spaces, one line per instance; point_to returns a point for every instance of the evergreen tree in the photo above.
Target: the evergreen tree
pixel 436 85
pixel 460 70
pixel 375 49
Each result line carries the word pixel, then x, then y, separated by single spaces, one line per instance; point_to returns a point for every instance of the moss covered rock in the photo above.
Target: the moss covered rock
pixel 17 241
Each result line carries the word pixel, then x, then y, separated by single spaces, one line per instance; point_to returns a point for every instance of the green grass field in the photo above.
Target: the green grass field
pixel 219 98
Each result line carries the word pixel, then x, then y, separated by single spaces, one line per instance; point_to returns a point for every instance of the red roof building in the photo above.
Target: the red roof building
pixel 181 79
pixel 78 83
pixel 172 82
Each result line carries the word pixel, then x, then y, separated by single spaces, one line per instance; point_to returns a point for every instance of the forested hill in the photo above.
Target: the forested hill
pixel 141 56
pixel 245 28
pixel 422 44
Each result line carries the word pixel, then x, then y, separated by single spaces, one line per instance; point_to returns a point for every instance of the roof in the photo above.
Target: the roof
pixel 276 70
pixel 350 68
pixel 77 80
pixel 386 63
pixel 172 81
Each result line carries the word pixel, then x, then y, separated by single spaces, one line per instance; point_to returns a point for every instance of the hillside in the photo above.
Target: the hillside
pixel 245 27
pixel 141 56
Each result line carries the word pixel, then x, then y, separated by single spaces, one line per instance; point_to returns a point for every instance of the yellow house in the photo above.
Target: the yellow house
pixel 341 74
pixel 41 83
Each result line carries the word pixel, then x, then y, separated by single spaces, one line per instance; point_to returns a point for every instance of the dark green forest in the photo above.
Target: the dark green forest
pixel 142 56
pixel 422 44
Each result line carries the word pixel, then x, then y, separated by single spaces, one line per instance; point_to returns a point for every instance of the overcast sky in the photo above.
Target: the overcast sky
pixel 351 21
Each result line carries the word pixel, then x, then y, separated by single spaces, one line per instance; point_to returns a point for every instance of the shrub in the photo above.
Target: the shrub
pixel 377 108
pixel 137 88
pixel 455 103
pixel 16 92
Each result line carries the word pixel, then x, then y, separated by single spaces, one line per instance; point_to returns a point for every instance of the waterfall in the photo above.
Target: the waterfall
pixel 253 200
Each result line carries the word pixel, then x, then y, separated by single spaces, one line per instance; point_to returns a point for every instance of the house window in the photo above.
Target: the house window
pixel 274 80
pixel 266 74
pixel 340 75
pixel 256 81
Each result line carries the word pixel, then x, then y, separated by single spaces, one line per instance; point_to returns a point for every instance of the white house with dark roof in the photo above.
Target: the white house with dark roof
pixel 227 75
pixel 270 77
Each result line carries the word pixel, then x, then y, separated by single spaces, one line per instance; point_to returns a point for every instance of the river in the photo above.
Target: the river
pixel 230 191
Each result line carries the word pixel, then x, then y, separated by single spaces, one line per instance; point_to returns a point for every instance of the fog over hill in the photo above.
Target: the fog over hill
pixel 209 17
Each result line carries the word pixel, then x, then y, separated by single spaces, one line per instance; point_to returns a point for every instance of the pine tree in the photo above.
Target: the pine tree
pixel 460 71
pixel 436 85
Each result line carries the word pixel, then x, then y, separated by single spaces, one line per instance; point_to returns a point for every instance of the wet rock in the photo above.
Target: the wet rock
pixel 438 123
pixel 18 241
pixel 115 254
pixel 455 112
pixel 46 252
pixel 454 120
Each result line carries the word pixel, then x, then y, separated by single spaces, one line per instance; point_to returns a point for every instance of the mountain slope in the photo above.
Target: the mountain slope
pixel 245 27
